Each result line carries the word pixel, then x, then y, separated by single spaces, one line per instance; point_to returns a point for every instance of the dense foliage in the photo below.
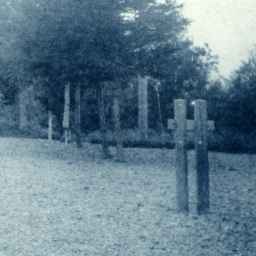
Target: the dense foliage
pixel 101 42
pixel 242 96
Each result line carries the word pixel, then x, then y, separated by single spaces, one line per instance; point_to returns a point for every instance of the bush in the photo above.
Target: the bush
pixel 233 141
pixel 132 138
pixel 225 141
pixel 8 123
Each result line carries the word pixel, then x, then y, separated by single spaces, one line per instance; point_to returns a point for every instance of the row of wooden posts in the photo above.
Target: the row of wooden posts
pixel 180 125
pixel 142 111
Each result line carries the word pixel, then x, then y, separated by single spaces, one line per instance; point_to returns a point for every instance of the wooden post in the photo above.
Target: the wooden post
pixel 143 107
pixel 78 116
pixel 202 162
pixel 103 124
pixel 117 123
pixel 66 114
pixel 22 103
pixel 160 115
pixel 50 128
pixel 181 156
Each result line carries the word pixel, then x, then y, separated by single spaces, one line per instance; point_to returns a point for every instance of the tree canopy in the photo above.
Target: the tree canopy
pixel 97 42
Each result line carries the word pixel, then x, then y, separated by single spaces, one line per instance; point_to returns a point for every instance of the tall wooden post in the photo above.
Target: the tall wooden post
pixel 22 103
pixel 117 123
pixel 161 125
pixel 202 162
pixel 66 115
pixel 143 107
pixel 78 116
pixel 50 126
pixel 181 156
pixel 103 123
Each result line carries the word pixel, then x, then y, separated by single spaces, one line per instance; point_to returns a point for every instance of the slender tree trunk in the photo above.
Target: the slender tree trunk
pixel 66 114
pixel 117 124
pixel 103 127
pixel 143 107
pixel 50 126
pixel 78 116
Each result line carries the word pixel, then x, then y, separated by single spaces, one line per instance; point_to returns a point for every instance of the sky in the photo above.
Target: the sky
pixel 228 26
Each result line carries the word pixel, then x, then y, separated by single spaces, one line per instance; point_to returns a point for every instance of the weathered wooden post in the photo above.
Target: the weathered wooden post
pixel 22 107
pixel 50 113
pixel 202 162
pixel 117 123
pixel 50 126
pixel 102 119
pixel 78 115
pixel 180 112
pixel 200 127
pixel 66 114
pixel 143 107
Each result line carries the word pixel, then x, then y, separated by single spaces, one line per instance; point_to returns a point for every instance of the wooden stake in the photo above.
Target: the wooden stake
pixel 181 156
pixel 66 114
pixel 117 123
pixel 78 116
pixel 66 137
pixel 50 128
pixel 103 123
pixel 143 107
pixel 22 105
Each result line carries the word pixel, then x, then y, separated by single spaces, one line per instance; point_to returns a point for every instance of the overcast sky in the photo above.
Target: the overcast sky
pixel 228 26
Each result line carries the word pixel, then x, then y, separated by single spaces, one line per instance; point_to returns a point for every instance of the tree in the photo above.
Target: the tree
pixel 241 108
pixel 93 44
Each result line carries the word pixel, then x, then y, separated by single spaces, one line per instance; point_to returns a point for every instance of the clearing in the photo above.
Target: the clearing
pixel 57 200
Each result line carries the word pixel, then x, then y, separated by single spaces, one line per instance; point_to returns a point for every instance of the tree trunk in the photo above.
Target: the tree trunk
pixel 66 114
pixel 117 124
pixel 50 127
pixel 143 107
pixel 78 116
pixel 102 118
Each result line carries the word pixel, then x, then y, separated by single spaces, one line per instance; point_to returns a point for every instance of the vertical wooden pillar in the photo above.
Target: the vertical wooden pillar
pixel 50 128
pixel 181 156
pixel 66 115
pixel 103 123
pixel 78 116
pixel 143 107
pixel 202 162
pixel 22 103
pixel 117 123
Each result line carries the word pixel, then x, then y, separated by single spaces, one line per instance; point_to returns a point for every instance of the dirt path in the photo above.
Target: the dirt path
pixel 59 201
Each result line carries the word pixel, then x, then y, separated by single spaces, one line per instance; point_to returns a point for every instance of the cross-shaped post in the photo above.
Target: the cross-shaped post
pixel 179 124
pixel 202 162
pixel 200 126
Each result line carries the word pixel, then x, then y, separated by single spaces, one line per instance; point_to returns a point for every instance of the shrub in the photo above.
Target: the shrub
pixel 132 138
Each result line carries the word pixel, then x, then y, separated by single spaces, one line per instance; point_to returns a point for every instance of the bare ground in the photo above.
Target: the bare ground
pixel 57 200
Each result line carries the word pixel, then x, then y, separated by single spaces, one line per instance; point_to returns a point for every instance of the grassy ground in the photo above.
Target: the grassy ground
pixel 57 200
